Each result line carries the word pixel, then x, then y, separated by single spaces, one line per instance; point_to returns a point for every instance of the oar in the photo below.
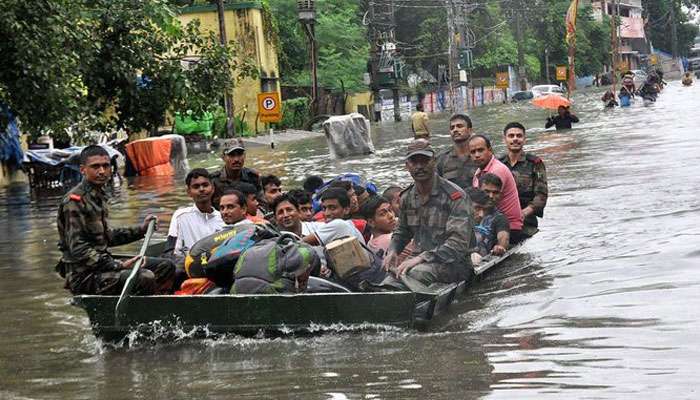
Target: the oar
pixel 133 276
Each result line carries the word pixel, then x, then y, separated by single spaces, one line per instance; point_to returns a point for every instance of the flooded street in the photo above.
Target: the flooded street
pixel 604 303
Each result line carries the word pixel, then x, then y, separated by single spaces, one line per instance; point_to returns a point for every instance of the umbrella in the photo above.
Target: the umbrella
pixel 550 101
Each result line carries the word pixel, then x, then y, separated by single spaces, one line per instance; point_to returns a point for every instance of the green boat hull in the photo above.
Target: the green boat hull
pixel 247 314
pixel 276 313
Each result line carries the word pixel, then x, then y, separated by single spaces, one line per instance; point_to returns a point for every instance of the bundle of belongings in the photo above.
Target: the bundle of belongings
pixel 156 156
pixel 49 168
pixel 348 135
pixel 256 259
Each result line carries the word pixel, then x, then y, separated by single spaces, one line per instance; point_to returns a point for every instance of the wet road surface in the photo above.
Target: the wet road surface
pixel 603 303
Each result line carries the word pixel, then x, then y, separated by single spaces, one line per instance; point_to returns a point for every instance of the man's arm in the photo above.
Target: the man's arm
pixel 458 236
pixel 541 189
pixel 502 229
pixel 550 123
pixel 402 235
pixel 80 249
pixel 120 236
pixel 424 121
pixel 573 117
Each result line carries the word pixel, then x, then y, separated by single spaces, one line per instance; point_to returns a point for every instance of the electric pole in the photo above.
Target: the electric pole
pixel 307 17
pixel 228 99
pixel 674 30
pixel 449 7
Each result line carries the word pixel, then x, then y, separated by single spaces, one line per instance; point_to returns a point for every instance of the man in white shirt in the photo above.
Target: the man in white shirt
pixel 189 224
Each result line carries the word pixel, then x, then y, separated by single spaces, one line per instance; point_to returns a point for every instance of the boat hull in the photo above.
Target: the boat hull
pixel 246 314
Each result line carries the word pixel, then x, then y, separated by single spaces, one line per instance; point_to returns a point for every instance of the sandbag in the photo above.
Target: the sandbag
pixel 278 265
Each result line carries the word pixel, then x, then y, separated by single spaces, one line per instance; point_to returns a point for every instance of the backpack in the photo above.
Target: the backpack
pixel 275 265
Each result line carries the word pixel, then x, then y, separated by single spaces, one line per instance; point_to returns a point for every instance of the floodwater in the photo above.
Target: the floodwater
pixel 604 303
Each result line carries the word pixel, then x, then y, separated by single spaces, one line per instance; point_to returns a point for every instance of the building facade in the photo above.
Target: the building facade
pixel 633 42
pixel 245 25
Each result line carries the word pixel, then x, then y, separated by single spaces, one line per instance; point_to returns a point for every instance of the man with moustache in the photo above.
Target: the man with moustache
pixel 85 237
pixel 529 173
pixel 234 171
pixel 436 214
pixel 455 164
pixel 509 203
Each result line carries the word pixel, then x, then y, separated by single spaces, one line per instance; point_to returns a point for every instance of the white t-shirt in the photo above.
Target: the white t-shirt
pixel 327 232
pixel 189 225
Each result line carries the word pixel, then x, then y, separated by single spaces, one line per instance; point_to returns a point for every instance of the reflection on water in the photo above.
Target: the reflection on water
pixel 603 303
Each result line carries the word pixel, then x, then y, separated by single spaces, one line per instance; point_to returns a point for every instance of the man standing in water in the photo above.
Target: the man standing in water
pixel 233 172
pixel 85 237
pixel 436 214
pixel 455 164
pixel 419 123
pixel 529 173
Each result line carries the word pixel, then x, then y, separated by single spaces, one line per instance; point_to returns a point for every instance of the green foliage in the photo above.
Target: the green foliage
pixel 295 112
pixel 658 27
pixel 342 44
pixel 112 63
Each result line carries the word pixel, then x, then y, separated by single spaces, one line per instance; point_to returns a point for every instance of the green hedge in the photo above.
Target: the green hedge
pixel 295 112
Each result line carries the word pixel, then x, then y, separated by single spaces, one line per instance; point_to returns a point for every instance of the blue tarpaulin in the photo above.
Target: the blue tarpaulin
pixel 10 149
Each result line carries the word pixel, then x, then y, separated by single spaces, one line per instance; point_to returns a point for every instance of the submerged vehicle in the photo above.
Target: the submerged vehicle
pixel 274 313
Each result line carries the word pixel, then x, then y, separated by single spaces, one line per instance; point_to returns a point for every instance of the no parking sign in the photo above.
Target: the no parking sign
pixel 269 107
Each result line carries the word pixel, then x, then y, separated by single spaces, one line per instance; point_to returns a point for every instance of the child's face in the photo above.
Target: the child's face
pixel 479 212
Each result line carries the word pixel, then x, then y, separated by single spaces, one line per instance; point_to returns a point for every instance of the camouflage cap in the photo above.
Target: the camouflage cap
pixel 237 145
pixel 419 146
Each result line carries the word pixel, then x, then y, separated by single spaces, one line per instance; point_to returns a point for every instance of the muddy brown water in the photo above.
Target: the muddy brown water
pixel 604 303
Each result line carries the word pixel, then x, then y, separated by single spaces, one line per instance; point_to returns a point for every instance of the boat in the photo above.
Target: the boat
pixel 248 315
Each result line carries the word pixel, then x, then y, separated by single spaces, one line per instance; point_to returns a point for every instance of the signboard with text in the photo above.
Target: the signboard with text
pixel 502 80
pixel 269 107
pixel 561 72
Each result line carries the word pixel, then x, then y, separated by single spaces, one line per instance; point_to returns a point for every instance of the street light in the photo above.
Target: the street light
pixel 307 16
pixel 307 11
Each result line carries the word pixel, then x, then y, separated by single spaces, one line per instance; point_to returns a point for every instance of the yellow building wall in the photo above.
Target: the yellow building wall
pixel 358 99
pixel 244 25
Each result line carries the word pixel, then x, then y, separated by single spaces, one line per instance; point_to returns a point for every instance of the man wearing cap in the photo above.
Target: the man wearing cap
pixel 233 172
pixel 436 214
pixel 454 163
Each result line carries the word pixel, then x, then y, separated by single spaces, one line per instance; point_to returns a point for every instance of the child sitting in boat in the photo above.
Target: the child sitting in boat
pixel 491 231
pixel 382 222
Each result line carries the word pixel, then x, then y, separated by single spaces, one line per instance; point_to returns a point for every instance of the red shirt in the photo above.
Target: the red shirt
pixel 510 202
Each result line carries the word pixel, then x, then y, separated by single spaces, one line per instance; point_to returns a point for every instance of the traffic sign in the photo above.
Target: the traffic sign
pixel 561 72
pixel 269 107
pixel 502 80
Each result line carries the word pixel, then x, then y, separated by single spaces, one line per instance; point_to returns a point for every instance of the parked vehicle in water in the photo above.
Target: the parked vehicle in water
pixel 541 90
pixel 522 96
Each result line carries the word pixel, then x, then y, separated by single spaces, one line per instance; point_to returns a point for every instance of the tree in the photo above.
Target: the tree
pixel 660 22
pixel 109 63
pixel 342 43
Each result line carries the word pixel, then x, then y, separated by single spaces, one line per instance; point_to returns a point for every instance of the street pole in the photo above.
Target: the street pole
pixel 228 99
pixel 546 63
pixel 451 52
pixel 521 50
pixel 674 31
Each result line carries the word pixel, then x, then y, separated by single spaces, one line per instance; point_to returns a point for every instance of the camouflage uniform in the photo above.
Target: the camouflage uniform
pixel 531 179
pixel 441 229
pixel 84 238
pixel 456 169
pixel 222 182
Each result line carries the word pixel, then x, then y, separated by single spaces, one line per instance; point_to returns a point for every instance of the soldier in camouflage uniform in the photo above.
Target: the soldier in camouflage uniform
pixel 455 164
pixel 529 173
pixel 436 214
pixel 85 235
pixel 233 172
